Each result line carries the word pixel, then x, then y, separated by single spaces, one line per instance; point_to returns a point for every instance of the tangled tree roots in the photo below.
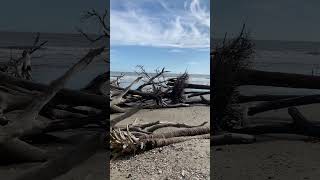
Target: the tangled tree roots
pixel 227 61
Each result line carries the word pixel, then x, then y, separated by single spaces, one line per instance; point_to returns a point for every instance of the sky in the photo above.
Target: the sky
pixel 160 33
pixel 293 20
pixel 57 16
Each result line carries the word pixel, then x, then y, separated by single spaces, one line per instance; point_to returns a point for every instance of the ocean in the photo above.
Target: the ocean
pixel 129 77
pixel 59 54
pixel 285 56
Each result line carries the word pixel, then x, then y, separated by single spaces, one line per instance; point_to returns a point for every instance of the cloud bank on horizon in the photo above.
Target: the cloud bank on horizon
pixel 159 23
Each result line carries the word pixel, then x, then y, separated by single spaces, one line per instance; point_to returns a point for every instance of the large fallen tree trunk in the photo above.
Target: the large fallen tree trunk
pixel 283 103
pixel 264 97
pixel 65 96
pixel 27 123
pixel 278 79
pixel 145 95
pixel 299 126
pixel 66 161
pixel 193 86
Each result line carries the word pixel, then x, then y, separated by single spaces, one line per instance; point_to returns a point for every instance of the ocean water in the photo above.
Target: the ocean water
pixel 59 54
pixel 131 76
pixel 285 56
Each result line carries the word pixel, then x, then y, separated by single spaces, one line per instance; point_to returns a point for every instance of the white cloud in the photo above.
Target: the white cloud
pixel 175 50
pixel 183 28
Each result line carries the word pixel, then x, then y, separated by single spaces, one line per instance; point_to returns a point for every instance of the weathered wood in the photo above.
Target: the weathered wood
pixel 135 92
pixel 231 138
pixel 17 151
pixel 53 113
pixel 299 126
pixel 10 102
pixel 65 96
pixel 198 94
pixel 266 129
pixel 64 162
pixel 283 103
pixel 27 123
pixel 94 87
pixel 181 132
pixel 264 97
pixel 127 114
pixel 73 123
pixel 278 79
pixel 193 86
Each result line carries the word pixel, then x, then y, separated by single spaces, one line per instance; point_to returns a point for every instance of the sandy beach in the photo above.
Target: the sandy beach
pixel 274 156
pixel 186 160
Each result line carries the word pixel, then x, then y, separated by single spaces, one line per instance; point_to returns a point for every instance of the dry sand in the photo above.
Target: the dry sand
pixel 186 160
pixel 277 157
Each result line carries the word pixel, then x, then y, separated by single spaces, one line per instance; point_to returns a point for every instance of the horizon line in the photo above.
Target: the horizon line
pixel 45 32
pixel 155 72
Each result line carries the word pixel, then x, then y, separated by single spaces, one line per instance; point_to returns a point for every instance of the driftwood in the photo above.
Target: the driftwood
pixel 17 151
pixel 194 86
pixel 231 138
pixel 65 96
pixel 102 21
pixel 283 103
pixel 264 97
pixel 96 85
pixel 45 111
pixel 26 123
pixel 228 60
pixel 137 139
pixel 193 94
pixel 66 161
pixel 21 67
pixel 278 79
pixel 300 126
pixel 231 67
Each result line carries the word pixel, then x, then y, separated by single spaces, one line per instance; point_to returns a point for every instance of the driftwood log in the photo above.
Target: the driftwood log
pixel 283 103
pixel 65 96
pixel 278 79
pixel 27 123
pixel 300 125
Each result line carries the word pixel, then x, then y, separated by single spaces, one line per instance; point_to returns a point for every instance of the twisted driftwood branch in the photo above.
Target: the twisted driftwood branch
pixel 26 122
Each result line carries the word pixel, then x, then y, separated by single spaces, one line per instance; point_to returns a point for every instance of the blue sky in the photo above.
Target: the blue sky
pixel 160 33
